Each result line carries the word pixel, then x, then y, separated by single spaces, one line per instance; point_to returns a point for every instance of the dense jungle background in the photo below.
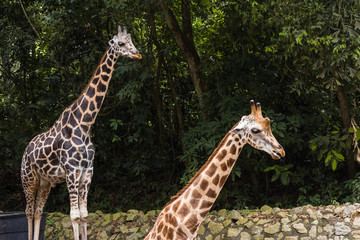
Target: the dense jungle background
pixel 203 61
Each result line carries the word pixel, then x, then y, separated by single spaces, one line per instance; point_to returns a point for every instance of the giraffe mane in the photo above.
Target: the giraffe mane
pixel 92 77
pixel 223 141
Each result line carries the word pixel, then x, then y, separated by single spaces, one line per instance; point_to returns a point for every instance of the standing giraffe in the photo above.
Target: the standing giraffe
pixel 181 217
pixel 65 152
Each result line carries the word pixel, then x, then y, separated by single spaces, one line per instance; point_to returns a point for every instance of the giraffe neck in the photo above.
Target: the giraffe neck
pixel 86 108
pixel 186 211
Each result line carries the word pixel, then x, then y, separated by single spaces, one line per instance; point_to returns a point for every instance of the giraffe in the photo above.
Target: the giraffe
pixel 181 217
pixel 65 152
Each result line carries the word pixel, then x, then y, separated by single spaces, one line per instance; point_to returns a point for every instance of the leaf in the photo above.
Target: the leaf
pixel 328 158
pixel 334 164
pixel 274 177
pixel 285 178
pixel 338 155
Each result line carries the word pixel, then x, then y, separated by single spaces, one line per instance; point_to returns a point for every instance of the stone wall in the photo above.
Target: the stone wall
pixel 301 223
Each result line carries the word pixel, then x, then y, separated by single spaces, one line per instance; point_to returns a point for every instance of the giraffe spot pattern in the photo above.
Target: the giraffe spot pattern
pixel 192 223
pixel 194 203
pixel 195 195
pixel 183 211
pixel 216 179
pixel 223 180
pixel 101 87
pixel 221 155
pixel 211 170
pixel 175 207
pixel 233 149
pixel 223 167
pixel 211 193
pixel 204 184
pixel 230 162
pixel 206 204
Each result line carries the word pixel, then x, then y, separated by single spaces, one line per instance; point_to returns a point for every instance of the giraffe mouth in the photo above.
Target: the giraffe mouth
pixel 277 155
pixel 136 56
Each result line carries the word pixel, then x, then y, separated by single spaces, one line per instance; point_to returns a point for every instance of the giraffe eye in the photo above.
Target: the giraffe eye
pixel 121 44
pixel 255 130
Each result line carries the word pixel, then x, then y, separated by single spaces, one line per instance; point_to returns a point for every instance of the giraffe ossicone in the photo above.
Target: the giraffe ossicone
pixel 180 219
pixel 65 152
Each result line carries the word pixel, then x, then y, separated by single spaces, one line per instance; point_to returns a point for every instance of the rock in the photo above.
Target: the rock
pixel 233 232
pixel 249 224
pixel 242 221
pixel 263 221
pixel 116 216
pixel 234 215
pixel 256 230
pixel 215 227
pixel 266 209
pixel 245 236
pixel 201 230
pixel 356 222
pixel 341 229
pixel 321 238
pixel 271 229
pixel 134 236
pixel 299 227
pixel 151 213
pixel 131 214
pixel 286 228
pixel 297 210
pixel 222 212
pixel 349 211
pixel 328 228
pixel 66 222
pixel 107 217
pixel 208 237
pixel 285 220
pixel 313 232
pixel 227 222
pixel 291 238
pixel 356 234
pixel 281 214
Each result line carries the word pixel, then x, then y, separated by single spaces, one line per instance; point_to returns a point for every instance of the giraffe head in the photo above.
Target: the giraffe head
pixel 123 46
pixel 255 130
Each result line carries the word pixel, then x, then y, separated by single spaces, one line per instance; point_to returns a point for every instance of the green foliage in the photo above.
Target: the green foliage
pixel 329 147
pixel 292 56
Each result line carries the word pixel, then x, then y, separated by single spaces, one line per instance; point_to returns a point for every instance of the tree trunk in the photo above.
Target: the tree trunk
pixel 346 119
pixel 185 40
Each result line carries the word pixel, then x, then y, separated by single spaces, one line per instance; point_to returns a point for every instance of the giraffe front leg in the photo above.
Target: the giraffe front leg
pixel 83 192
pixel 72 181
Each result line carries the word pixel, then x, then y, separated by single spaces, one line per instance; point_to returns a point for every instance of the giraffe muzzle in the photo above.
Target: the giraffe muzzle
pixel 278 155
pixel 136 56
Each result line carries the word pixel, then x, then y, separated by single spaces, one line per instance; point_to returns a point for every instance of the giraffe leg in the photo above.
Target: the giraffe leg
pixel 42 195
pixel 30 184
pixel 72 181
pixel 83 192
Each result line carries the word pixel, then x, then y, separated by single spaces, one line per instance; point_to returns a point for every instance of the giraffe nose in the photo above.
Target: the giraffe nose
pixel 282 151
pixel 136 56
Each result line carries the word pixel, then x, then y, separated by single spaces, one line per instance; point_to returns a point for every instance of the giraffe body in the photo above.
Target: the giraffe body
pixel 180 219
pixel 65 152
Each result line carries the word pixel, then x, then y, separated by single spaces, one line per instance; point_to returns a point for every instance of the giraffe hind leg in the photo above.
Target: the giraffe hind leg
pixel 42 195
pixel 72 181
pixel 30 184
pixel 83 193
